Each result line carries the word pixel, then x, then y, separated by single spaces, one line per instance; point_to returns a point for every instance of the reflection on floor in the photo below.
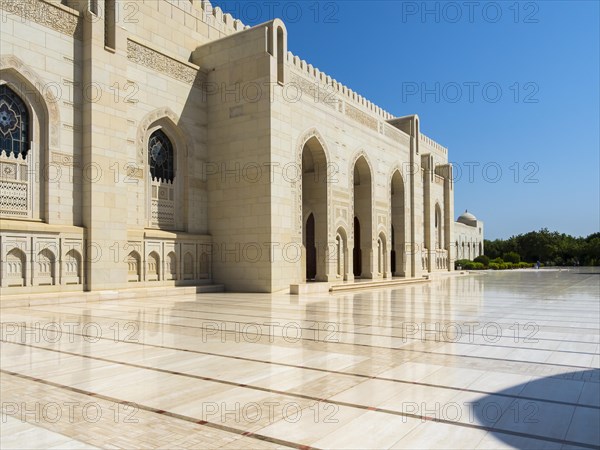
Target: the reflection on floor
pixel 497 360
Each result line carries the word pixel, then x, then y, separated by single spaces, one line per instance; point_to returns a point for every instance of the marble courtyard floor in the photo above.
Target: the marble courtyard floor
pixel 487 361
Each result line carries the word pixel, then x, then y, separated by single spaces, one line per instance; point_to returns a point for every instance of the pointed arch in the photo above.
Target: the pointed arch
pixel 162 117
pixel 360 153
pixel 362 199
pixel 29 195
pixel 23 79
pixel 309 134
pixel 314 194
pixel 163 147
pixel 438 226
pixel 399 226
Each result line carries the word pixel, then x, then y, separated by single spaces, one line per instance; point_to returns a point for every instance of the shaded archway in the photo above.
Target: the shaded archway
pixel 341 259
pixel 314 209
pixel 363 220
pixel 311 249
pixel 356 252
pixel 439 227
pixel 382 253
pixel 398 259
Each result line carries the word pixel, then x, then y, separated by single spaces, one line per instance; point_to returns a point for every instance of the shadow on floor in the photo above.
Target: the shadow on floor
pixel 557 412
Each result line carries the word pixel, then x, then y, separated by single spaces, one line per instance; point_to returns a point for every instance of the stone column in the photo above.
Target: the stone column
pixel 104 154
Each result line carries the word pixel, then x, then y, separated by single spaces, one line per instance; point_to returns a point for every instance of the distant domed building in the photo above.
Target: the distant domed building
pixel 468 236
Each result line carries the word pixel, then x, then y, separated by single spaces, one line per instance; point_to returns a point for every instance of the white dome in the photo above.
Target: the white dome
pixel 468 219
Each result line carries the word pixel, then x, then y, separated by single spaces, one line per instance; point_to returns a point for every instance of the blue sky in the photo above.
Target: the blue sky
pixel 506 86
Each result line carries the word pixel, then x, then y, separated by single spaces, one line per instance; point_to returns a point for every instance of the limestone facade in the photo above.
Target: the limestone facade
pixel 169 144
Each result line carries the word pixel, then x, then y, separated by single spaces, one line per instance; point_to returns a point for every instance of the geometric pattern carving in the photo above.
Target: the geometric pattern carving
pixel 361 117
pixel 14 200
pixel 317 92
pixel 64 159
pixel 45 14
pixel 154 60
pixel 162 207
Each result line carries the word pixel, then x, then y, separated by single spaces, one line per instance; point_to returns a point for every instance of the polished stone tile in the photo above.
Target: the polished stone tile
pixel 363 381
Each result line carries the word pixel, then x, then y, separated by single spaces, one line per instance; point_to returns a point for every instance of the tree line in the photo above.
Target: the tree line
pixel 549 247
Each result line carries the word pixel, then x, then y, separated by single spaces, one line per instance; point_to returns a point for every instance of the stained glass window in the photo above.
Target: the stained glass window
pixel 160 157
pixel 14 124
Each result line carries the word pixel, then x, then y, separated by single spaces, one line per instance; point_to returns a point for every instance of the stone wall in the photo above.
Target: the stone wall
pixel 261 140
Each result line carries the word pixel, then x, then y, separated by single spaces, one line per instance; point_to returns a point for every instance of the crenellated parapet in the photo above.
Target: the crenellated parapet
pixel 433 146
pixel 333 87
pixel 211 15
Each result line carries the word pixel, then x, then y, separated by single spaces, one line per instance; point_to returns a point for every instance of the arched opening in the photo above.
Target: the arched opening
pixel 72 274
pixel 134 267
pixel 356 252
pixel 363 219
pixel 14 124
pixel 393 253
pixel 46 263
pixel 24 143
pixel 188 267
pixel 480 249
pixel 16 272
pixel 439 235
pixel 153 273
pixel 314 209
pixel 166 148
pixel 381 255
pixel 204 268
pixel 311 249
pixel 171 266
pixel 280 55
pixel 398 226
pixel 341 242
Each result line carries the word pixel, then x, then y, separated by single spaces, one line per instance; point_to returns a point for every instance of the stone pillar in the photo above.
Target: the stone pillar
pixel 428 222
pixel 104 134
pixel 449 216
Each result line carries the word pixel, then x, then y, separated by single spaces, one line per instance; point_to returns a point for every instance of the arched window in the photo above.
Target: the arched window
pixel 160 157
pixel 14 124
